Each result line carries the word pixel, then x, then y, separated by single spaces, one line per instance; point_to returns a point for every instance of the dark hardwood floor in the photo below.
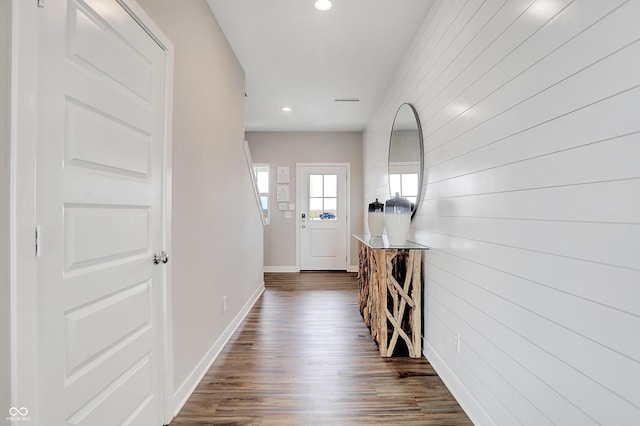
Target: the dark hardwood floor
pixel 303 356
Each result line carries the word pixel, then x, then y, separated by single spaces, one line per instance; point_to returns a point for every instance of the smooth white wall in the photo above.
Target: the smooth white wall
pixel 532 205
pixel 5 116
pixel 287 149
pixel 216 232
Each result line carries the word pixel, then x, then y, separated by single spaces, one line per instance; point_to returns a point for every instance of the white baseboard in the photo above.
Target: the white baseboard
pixel 350 268
pixel 182 394
pixel 469 404
pixel 281 269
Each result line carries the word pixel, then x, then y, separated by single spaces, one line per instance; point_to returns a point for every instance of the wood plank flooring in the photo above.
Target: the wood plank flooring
pixel 303 356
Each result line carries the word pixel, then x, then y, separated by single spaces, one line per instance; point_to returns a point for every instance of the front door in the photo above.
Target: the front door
pixel 99 194
pixel 322 217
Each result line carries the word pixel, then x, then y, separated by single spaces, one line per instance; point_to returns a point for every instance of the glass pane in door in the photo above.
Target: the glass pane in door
pixel 315 185
pixel 330 185
pixel 323 192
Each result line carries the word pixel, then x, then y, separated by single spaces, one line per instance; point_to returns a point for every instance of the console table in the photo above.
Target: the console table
pixel 390 294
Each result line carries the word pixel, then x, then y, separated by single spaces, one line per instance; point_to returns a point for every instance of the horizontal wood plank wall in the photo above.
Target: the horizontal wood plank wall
pixel 531 120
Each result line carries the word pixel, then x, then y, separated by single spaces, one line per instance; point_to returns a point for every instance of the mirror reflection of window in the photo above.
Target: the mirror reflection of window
pixel 405 184
pixel 323 197
pixel 261 172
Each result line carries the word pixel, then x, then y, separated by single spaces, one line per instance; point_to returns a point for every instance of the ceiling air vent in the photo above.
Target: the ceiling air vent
pixel 347 100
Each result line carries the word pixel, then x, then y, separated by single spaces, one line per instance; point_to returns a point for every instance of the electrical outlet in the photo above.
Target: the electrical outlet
pixel 224 303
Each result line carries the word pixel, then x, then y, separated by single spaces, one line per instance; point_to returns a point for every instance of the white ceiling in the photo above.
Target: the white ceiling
pixel 294 55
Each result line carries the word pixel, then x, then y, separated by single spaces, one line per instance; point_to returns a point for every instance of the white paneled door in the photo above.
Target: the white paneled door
pixel 322 218
pixel 99 209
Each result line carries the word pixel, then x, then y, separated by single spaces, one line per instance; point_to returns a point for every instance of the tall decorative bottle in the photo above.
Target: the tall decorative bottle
pixel 375 218
pixel 397 220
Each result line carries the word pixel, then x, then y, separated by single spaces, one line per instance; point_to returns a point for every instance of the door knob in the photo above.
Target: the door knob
pixel 160 256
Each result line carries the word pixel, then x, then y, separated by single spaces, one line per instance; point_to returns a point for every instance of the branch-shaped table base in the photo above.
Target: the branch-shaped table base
pixel 390 298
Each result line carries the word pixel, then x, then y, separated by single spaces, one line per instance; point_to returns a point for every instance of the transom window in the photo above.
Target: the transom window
pixel 323 197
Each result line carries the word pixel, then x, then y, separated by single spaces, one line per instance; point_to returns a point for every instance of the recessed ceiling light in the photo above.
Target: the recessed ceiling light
pixel 323 5
pixel 286 109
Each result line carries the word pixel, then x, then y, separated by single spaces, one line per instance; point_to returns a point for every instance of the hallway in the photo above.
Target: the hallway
pixel 303 356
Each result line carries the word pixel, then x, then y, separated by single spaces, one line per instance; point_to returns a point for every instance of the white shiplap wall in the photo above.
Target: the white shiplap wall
pixel 531 122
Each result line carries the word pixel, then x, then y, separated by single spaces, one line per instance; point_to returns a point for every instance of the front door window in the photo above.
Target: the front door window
pixel 323 196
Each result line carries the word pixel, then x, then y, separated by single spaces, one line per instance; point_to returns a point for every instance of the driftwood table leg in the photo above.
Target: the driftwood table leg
pixel 381 301
pixel 416 314
pixel 364 282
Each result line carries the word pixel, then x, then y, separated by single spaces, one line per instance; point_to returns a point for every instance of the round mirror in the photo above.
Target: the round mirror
pixel 406 156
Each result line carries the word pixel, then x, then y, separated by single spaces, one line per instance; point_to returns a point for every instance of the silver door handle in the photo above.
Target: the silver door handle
pixel 304 226
pixel 160 256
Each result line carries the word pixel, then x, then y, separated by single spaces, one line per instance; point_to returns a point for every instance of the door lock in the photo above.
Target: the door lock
pixel 160 256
